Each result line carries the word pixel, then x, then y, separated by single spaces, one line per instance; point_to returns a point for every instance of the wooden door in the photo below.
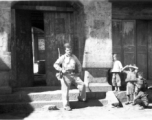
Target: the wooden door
pixel 142 39
pixel 22 49
pixel 123 36
pixel 150 50
pixel 57 32
pixel 117 38
pixel 128 40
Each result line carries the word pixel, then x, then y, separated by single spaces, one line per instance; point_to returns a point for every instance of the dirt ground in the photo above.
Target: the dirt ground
pixel 87 113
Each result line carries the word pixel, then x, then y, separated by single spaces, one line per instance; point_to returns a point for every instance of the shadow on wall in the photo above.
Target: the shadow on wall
pixel 5 62
pixel 10 104
pixel 5 67
pixel 14 105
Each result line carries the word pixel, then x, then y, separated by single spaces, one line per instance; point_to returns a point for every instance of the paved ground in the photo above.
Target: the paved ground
pixel 88 113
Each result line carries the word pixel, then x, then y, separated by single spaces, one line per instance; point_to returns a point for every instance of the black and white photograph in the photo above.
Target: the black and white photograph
pixel 75 59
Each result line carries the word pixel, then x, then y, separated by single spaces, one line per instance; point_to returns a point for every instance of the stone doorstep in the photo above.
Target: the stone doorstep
pixel 23 96
pixel 34 100
pixel 99 87
pixel 38 89
pixel 31 106
pixel 95 90
pixel 91 87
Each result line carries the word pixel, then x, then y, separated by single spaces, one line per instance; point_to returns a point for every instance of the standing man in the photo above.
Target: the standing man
pixel 69 64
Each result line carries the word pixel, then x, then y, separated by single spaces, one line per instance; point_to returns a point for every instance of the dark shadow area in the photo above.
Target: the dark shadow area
pixel 93 99
pixel 149 107
pixel 15 105
pixel 118 105
pixel 109 77
pixel 15 112
pixel 5 61
pixel 123 83
pixel 149 91
pixel 89 103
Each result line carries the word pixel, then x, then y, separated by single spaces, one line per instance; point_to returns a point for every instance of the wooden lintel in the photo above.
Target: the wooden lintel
pixel 45 8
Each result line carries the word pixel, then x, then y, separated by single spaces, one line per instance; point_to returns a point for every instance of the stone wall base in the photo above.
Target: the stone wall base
pixel 5 90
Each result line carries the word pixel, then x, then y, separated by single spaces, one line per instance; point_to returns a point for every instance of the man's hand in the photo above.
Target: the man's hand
pixel 63 71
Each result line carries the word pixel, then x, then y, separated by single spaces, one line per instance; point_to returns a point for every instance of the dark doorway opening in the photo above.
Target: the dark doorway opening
pixel 38 48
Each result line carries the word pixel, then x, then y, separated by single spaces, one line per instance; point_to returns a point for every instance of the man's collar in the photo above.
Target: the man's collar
pixel 68 55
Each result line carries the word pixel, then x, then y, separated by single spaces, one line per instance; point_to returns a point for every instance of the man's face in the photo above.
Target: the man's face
pixel 68 51
pixel 131 69
pixel 139 76
pixel 114 57
pixel 136 70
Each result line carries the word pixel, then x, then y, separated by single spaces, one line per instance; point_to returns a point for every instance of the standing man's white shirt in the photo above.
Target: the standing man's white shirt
pixel 117 66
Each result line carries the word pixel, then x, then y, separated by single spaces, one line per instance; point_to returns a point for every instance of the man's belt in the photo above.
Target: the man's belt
pixel 70 72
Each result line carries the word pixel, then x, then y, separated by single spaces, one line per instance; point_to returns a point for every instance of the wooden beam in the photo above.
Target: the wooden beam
pixel 45 8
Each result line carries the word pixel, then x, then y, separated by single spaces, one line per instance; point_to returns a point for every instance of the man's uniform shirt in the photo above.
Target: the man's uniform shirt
pixel 68 63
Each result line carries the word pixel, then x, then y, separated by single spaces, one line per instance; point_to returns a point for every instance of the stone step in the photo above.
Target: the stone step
pixel 27 96
pixel 33 98
pixel 99 87
pixel 91 87
pixel 38 89
pixel 36 105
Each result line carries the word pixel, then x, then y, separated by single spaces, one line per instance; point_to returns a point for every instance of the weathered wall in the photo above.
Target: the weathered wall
pixel 5 22
pixel 5 54
pixel 98 44
pixel 5 37
pixel 97 57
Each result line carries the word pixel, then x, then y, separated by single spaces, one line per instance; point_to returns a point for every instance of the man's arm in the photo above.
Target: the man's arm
pixel 120 66
pixel 123 69
pixel 78 64
pixel 138 96
pixel 58 63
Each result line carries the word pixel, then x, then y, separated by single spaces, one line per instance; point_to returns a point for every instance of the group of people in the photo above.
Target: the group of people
pixel 67 64
pixel 136 86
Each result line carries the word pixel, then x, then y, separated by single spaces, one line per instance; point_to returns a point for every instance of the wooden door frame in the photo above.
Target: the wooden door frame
pixel 14 38
pixel 13 47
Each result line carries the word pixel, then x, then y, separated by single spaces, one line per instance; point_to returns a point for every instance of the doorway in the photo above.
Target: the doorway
pixel 39 31
pixel 38 48
pixel 39 37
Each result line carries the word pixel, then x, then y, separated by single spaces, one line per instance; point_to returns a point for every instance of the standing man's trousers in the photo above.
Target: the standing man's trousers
pixel 65 86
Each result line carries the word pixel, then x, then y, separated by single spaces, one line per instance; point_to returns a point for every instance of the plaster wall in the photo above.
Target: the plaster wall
pixel 97 57
pixel 98 44
pixel 5 37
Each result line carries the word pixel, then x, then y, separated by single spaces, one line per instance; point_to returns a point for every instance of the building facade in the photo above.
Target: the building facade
pixel 33 33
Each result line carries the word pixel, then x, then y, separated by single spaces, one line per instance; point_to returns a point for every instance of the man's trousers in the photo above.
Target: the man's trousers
pixel 65 86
